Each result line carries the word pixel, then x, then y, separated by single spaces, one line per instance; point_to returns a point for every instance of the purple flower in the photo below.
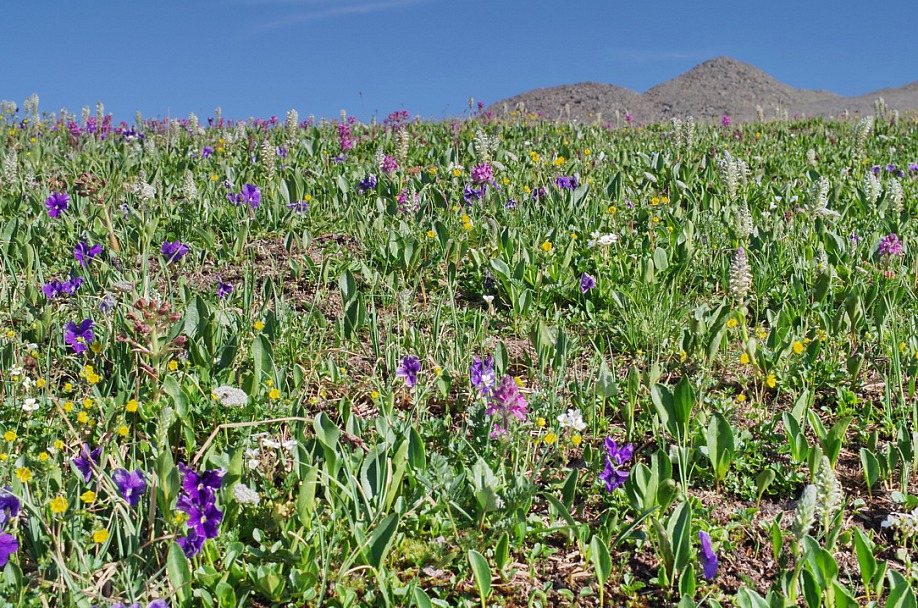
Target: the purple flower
pixel 615 458
pixel 56 288
pixel 510 204
pixel 203 519
pixel 404 204
pixel 891 168
pixel 567 182
pixel 481 375
pixel 79 336
pixel 107 304
pixel 890 246
pixel 9 505
pixel 83 252
pixel 200 487
pixel 388 165
pixel 912 167
pixel 587 283
pixel 174 250
pixel 340 157
pixel 366 184
pixel 706 556
pixel 482 174
pixel 538 193
pixel 57 203
pixel 131 485
pixel 725 121
pixel 207 152
pixel 875 169
pixel 8 546
pixel 158 604
pixel 281 151
pixel 223 289
pixel 506 401
pixel 298 207
pixel 409 369
pixel 470 195
pixel 252 195
pixel 86 460
pixel 191 544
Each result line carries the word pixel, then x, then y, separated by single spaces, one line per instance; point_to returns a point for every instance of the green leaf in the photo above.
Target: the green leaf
pixel 179 573
pixel 720 443
pixel 602 561
pixel 226 596
pixel 502 551
pixel 381 541
pixel 901 594
pixel 482 574
pixel 679 529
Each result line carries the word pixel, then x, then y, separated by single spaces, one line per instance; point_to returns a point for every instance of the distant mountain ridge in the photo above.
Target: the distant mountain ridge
pixel 720 86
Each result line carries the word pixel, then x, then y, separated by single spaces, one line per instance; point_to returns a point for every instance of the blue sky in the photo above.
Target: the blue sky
pixel 263 57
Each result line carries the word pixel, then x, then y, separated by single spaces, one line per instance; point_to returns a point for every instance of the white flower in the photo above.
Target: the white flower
pixel 602 240
pixel 231 396
pixel 252 458
pixel 289 444
pixel 572 419
pixel 29 405
pixel 270 443
pixel 27 382
pixel 16 370
pixel 245 495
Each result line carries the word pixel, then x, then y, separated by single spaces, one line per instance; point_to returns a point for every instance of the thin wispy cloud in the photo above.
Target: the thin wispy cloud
pixel 324 10
pixel 654 56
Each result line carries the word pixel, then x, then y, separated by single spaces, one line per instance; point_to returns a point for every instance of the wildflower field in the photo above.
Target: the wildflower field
pixel 472 363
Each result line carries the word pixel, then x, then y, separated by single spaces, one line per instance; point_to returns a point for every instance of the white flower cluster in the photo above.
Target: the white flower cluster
pixel 819 199
pixel 872 187
pixel 231 396
pixel 906 524
pixel 896 195
pixel 740 275
pixel 733 173
pixel 245 495
pixel 601 240
pixel 573 419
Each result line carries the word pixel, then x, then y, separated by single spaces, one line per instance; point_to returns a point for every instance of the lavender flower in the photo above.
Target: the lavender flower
pixel 8 546
pixel 539 193
pixel 174 250
pixel 406 202
pixel 200 487
pixel 913 167
pixel 298 207
pixel 506 402
pixel 890 246
pixel 706 556
pixel 223 289
pixel 481 375
pixel 79 336
pixel 587 282
pixel 9 505
pixel 83 252
pixel 567 182
pixel 87 460
pixel 207 152
pixel 57 203
pixel 107 304
pixel 56 288
pixel 366 184
pixel 470 195
pixel 191 544
pixel 615 458
pixel 411 365
pixel 510 204
pixel 482 174
pixel 131 485
pixel 281 152
pixel 203 517
pixel 198 501
pixel 891 168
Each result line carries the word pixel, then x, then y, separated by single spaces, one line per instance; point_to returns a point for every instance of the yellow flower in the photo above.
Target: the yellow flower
pixel 587 152
pixel 179 518
pixel 10 333
pixel 3 457
pixel 307 198
pixel 655 219
pixel 431 234
pixel 88 496
pixel 173 365
pixel 96 347
pixel 576 439
pixel 546 246
pixel 87 403
pixel 41 383
pixel 23 474
pixel 259 325
pixel 902 347
pixel 744 359
pixel 534 157
pixel 655 201
pixel 43 457
pixel 540 422
pixel 762 334
pixel 682 356
pixel 274 394
pixel 68 387
pixel 518 381
pixel 374 395
pixel 550 438
pixel 798 346
pixel 100 536
pixel 771 381
pixel 732 322
pixel 131 406
pixel 10 435
pixel 82 417
pixel 58 505
pixel 58 444
pixel 214 178
pixel 93 377
pixel 457 172
pixel 741 398
pixel 68 406
pixel 123 430
pixel 558 161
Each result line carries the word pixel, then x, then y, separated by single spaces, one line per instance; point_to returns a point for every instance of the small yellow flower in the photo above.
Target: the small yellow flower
pixel 550 438
pixel 10 333
pixel 437 370
pixel 173 365
pixel 655 201
pixel 23 474
pixel 655 219
pixel 682 356
pixel 587 152
pixel 506 181
pixel 131 406
pixel 88 496
pixel 732 322
pixel 44 456
pixel 58 444
pixel 540 422
pixel 612 209
pixel 559 161
pixel 798 346
pixel 100 536
pixel 741 398
pixel 744 359
pixel 82 417
pixel 179 518
pixel 546 246
pixel 902 347
pixel 762 333
pixel 771 381
pixel 214 177
pixel 58 505
pixel 457 172
pixel 68 387
pixel 534 157
pixel 41 383
pixel 307 198
pixel 519 381
pixel 274 394
pixel 431 234
pixel 10 435
pixel 576 439
pixel 123 430
pixel 87 403
pixel 3 457
pixel 96 347
pixel 259 325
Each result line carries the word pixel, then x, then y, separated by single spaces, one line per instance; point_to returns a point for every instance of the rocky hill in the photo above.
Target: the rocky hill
pixel 708 91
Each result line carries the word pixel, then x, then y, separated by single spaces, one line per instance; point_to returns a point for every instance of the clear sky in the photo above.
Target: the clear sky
pixel 263 57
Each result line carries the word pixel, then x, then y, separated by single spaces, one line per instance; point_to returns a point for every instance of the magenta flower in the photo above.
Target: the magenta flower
pixel 482 174
pixel 388 165
pixel 890 246
pixel 706 556
pixel 174 251
pixel 57 203
pixel 506 402
pixel 725 121
pixel 79 336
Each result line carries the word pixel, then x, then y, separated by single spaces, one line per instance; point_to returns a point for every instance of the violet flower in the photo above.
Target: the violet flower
pixel 567 182
pixel 196 485
pixel 174 250
pixel 366 184
pixel 615 458
pixel 86 460
pixel 587 282
pixel 706 556
pixel 223 289
pixel 83 252
pixel 411 365
pixel 481 375
pixel 539 193
pixel 470 195
pixel 131 485
pixel 79 336
pixel 8 546
pixel 191 544
pixel 57 203
pixel 55 287
pixel 9 505
pixel 207 151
